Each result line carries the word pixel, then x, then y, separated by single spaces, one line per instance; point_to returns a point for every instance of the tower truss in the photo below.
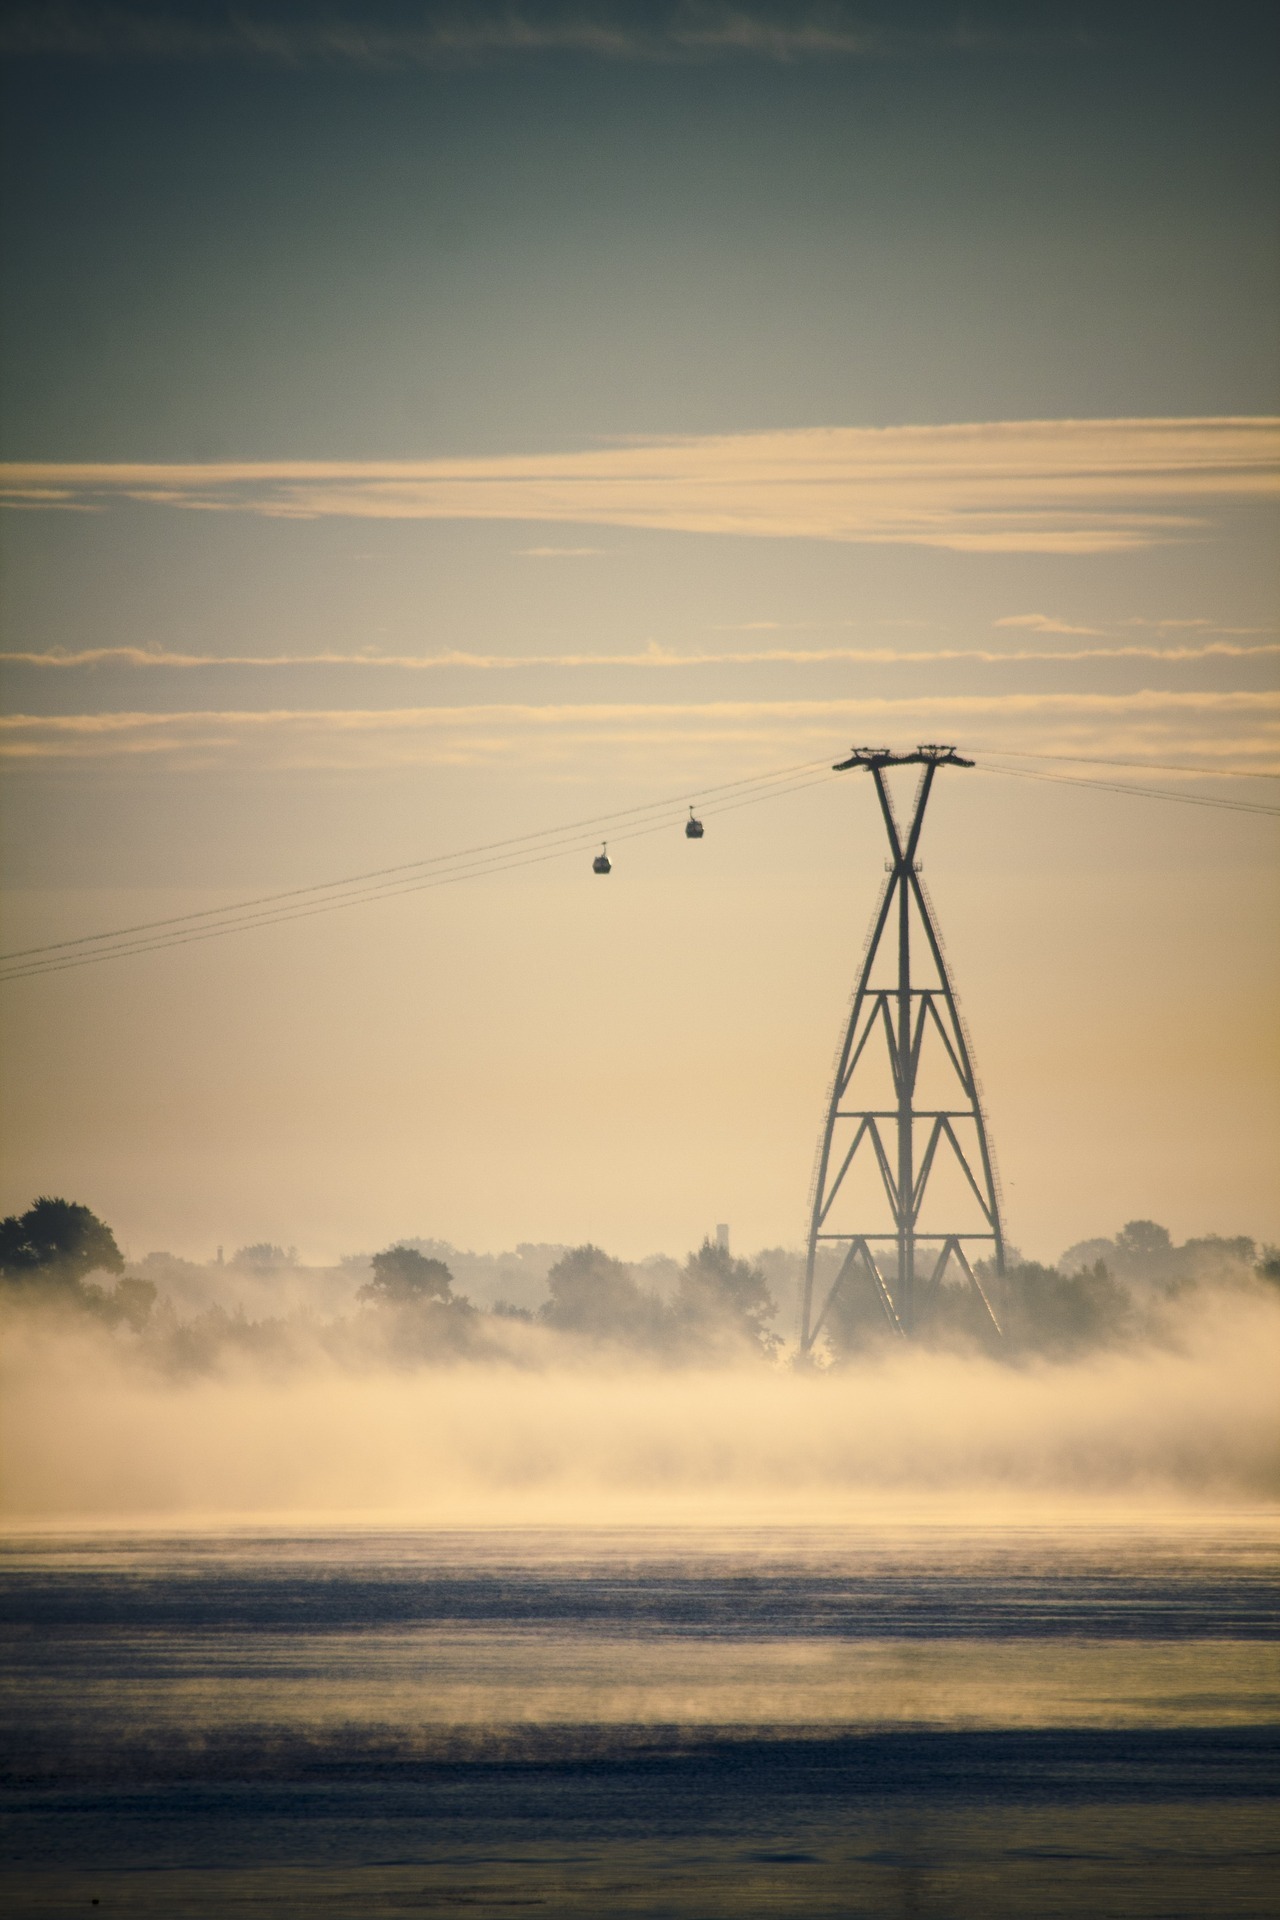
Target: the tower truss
pixel 905 1185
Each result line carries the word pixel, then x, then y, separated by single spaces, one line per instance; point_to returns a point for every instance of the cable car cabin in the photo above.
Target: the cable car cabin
pixel 602 862
pixel 693 829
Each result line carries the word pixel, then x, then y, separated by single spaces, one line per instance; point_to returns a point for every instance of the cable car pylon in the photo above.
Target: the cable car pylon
pixel 891 1243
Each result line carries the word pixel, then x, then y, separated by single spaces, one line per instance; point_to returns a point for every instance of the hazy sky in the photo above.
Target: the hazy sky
pixel 424 425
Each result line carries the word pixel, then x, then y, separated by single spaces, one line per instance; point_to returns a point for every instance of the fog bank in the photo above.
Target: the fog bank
pixel 87 1437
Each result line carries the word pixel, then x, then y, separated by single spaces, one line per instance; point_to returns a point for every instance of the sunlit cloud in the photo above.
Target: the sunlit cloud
pixel 1062 487
pixel 1242 726
pixel 1042 623
pixel 557 553
pixel 653 657
pixel 1188 626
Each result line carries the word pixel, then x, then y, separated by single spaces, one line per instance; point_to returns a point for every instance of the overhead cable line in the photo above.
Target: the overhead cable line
pixel 377 874
pixel 1212 801
pixel 1139 766
pixel 50 961
pixel 494 857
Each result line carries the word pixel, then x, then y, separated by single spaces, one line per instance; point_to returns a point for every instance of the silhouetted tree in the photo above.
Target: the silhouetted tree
pixel 856 1318
pixel 721 1306
pixel 1215 1258
pixel 1064 1313
pixel 403 1277
pixel 264 1257
pixel 1143 1242
pixel 596 1296
pixel 132 1301
pixel 57 1243
pixel 1143 1256
pixel 48 1252
pixel 418 1316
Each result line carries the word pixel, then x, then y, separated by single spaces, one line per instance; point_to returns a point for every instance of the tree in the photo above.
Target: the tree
pixel 132 1301
pixel 418 1316
pixel 403 1277
pixel 1063 1314
pixel 722 1304
pixel 597 1296
pixel 1140 1241
pixel 50 1250
pixel 856 1320
pixel 1146 1253
pixel 264 1257
pixel 57 1243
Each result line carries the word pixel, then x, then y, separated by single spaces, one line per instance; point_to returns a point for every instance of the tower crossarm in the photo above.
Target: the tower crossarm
pixel 922 756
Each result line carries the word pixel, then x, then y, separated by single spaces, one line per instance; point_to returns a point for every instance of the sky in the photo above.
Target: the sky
pixel 424 426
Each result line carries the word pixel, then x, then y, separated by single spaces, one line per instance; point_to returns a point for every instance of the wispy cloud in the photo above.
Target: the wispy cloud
pixel 379 36
pixel 557 553
pixel 1241 726
pixel 652 658
pixel 1188 626
pixel 1042 623
pixel 1065 486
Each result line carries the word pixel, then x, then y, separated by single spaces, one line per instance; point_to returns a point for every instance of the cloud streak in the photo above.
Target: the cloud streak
pixel 380 39
pixel 140 659
pixel 1041 623
pixel 1219 725
pixel 1062 487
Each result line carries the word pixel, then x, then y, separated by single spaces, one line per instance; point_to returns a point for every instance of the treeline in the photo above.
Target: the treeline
pixel 714 1310
pixel 1102 1293
pixel 408 1311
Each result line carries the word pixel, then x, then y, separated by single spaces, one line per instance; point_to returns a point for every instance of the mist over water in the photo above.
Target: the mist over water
pixel 545 1435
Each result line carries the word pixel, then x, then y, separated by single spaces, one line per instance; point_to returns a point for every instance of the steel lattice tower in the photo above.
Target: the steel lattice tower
pixel 904 1142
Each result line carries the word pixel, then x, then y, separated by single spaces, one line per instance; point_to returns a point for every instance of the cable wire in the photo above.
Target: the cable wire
pixel 1139 766
pixel 145 940
pixel 505 856
pixel 377 874
pixel 1212 801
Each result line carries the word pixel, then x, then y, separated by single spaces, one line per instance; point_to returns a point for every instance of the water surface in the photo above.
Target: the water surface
pixel 917 1721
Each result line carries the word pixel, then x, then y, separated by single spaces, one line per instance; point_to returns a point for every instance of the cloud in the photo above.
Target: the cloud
pixel 1041 623
pixel 1190 626
pixel 557 553
pixel 654 657
pixel 1064 487
pixel 379 38
pixel 1240 726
